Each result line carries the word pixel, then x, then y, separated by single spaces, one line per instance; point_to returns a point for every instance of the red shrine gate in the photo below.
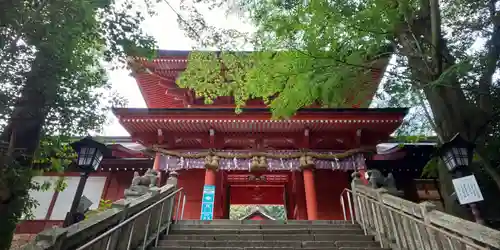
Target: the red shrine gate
pixel 303 162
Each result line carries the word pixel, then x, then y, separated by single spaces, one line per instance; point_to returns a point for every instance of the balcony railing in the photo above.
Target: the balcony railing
pixel 132 223
pixel 141 230
pixel 401 224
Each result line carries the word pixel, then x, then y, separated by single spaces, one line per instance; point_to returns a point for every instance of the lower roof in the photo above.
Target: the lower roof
pixel 329 128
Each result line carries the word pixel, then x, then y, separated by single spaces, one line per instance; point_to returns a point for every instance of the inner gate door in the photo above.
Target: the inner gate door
pixel 257 189
pixel 257 194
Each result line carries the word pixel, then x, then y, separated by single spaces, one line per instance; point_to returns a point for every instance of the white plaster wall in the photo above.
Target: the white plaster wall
pixel 93 191
pixel 42 197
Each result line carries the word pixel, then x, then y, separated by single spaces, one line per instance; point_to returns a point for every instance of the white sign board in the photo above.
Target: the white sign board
pixel 467 190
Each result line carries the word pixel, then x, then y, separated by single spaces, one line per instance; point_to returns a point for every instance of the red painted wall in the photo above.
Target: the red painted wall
pixel 36 226
pixel 300 211
pixel 257 217
pixel 257 194
pixel 192 182
pixel 116 185
pixel 329 186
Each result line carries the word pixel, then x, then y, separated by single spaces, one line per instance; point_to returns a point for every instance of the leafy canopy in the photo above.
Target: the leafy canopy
pixel 301 61
pixel 82 37
pixel 53 85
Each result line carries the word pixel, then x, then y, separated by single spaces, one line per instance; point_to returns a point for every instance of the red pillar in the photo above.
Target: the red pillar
pixel 209 181
pixel 362 173
pixel 210 173
pixel 209 176
pixel 310 191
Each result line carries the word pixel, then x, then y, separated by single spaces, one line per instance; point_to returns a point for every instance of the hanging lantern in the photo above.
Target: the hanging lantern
pixel 90 153
pixel 456 153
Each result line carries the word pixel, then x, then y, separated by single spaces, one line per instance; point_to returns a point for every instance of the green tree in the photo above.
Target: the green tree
pixel 52 83
pixel 314 51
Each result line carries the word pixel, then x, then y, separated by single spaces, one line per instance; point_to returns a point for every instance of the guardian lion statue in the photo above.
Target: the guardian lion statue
pixel 141 184
pixel 377 180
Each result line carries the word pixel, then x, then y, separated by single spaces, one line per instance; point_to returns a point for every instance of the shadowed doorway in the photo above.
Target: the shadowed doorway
pixel 247 198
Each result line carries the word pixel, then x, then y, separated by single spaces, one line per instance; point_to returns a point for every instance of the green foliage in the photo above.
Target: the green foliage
pixel 430 170
pixel 80 35
pixel 412 138
pixel 302 61
pixel 103 206
pixel 326 45
pixel 286 81
pixel 18 179
pixel 54 153
pixel 53 84
pixel 329 44
pixel 237 212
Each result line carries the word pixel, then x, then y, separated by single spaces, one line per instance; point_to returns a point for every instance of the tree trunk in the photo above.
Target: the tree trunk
pixel 24 131
pixel 446 188
pixel 453 113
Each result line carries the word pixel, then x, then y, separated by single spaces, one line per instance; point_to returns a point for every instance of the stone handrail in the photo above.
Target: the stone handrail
pixel 401 224
pixel 110 222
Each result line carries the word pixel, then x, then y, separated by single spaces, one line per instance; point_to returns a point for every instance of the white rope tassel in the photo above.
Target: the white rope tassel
pixel 354 167
pixel 168 166
pixel 282 163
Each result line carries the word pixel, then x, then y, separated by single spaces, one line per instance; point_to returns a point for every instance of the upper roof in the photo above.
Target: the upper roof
pixel 156 80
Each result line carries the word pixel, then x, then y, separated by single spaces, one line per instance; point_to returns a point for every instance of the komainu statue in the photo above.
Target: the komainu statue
pixel 377 180
pixel 141 184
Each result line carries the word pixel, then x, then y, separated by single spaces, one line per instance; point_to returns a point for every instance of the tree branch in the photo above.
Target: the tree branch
pixel 19 32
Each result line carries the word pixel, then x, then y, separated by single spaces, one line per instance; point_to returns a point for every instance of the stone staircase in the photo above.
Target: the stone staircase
pixel 266 235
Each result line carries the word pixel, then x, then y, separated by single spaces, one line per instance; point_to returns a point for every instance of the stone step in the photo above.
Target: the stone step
pixel 268 243
pixel 357 244
pixel 262 222
pixel 266 235
pixel 265 248
pixel 265 226
pixel 217 231
pixel 301 237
